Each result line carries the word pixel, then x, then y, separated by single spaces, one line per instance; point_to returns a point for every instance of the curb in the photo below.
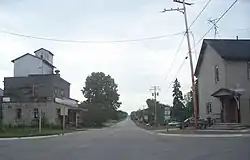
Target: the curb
pixel 241 131
pixel 40 137
pixel 51 136
pixel 23 138
pixel 205 135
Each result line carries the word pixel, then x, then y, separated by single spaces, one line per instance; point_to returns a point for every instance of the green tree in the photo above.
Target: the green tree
pixel 177 93
pixel 178 110
pixel 95 116
pixel 101 89
pixel 160 111
pixel 189 103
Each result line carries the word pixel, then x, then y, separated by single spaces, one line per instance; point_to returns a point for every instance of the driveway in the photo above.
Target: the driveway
pixel 125 141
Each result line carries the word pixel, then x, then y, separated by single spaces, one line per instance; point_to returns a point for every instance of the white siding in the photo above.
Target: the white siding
pixel 236 77
pixel 30 65
pixel 206 81
pixel 45 55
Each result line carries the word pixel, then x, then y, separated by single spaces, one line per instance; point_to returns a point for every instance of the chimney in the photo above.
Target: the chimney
pixel 57 72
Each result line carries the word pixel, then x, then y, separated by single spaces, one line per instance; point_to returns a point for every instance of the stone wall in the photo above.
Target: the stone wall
pixel 49 111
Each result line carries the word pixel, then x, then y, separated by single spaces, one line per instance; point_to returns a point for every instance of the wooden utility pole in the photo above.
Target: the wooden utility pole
pixel 40 120
pixel 155 90
pixel 183 10
pixel 39 109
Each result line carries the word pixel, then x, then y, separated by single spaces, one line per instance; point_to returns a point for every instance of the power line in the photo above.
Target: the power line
pixel 208 2
pixel 175 56
pixel 179 69
pixel 87 41
pixel 202 10
pixel 194 50
pixel 217 21
pixel 202 39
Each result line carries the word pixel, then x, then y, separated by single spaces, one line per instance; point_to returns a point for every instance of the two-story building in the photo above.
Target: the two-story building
pixel 36 88
pixel 223 72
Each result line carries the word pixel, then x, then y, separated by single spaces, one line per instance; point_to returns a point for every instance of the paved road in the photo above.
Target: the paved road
pixel 125 142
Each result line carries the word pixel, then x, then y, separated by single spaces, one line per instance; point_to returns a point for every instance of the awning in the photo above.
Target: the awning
pixel 77 109
pixel 225 92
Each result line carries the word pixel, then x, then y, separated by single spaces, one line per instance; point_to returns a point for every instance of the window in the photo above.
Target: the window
pixel 248 70
pixel 62 93
pixel 19 113
pixel 209 107
pixel 58 113
pixel 56 91
pixel 216 71
pixel 36 113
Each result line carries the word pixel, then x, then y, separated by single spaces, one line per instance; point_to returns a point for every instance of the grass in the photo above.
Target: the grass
pixel 27 132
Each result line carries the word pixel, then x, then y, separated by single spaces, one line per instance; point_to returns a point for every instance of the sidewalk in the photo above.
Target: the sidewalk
pixel 203 133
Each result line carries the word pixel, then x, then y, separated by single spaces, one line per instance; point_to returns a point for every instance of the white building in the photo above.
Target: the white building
pixel 167 113
pixel 40 63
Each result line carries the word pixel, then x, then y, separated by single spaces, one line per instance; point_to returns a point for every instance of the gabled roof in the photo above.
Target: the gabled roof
pixel 44 50
pixel 228 49
pixel 34 57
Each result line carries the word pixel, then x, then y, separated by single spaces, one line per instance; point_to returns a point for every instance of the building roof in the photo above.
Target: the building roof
pixel 44 50
pixel 228 49
pixel 1 92
pixel 34 57
pixel 225 92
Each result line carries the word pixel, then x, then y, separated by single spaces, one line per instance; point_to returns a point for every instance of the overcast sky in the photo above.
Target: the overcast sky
pixel 135 66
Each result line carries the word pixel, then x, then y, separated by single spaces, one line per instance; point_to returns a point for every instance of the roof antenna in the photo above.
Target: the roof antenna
pixel 213 22
pixel 237 37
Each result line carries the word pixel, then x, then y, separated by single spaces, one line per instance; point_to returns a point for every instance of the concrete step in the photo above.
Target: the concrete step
pixel 227 126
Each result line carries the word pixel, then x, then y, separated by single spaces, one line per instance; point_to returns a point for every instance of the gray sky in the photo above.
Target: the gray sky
pixel 135 66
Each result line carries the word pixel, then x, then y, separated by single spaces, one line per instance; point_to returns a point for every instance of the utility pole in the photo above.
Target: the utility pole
pixel 40 120
pixel 183 10
pixel 143 112
pixel 155 90
pixel 64 114
pixel 39 110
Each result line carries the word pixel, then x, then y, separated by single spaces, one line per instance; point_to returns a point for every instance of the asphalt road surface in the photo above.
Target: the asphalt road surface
pixel 125 141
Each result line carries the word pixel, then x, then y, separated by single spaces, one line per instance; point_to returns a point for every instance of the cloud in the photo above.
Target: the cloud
pixel 135 66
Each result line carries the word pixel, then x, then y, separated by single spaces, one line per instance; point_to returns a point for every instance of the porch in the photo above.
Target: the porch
pixel 230 105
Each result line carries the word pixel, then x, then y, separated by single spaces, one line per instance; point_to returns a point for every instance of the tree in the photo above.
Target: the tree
pixel 189 103
pixel 160 111
pixel 101 89
pixel 95 116
pixel 177 93
pixel 178 110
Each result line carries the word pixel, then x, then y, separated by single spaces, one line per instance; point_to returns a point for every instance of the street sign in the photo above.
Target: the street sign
pixel 64 111
pixel 6 99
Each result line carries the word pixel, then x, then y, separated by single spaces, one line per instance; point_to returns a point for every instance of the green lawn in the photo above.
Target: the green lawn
pixel 27 132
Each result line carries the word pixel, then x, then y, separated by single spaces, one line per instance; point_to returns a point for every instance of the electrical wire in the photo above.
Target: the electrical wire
pixel 199 14
pixel 201 37
pixel 175 56
pixel 194 50
pixel 178 50
pixel 231 6
pixel 179 69
pixel 87 41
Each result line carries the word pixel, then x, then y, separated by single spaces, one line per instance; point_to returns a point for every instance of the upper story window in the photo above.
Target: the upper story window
pixel 216 73
pixel 62 93
pixel 248 69
pixel 19 113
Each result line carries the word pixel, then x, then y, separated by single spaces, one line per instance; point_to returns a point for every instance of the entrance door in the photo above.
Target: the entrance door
pixel 231 111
